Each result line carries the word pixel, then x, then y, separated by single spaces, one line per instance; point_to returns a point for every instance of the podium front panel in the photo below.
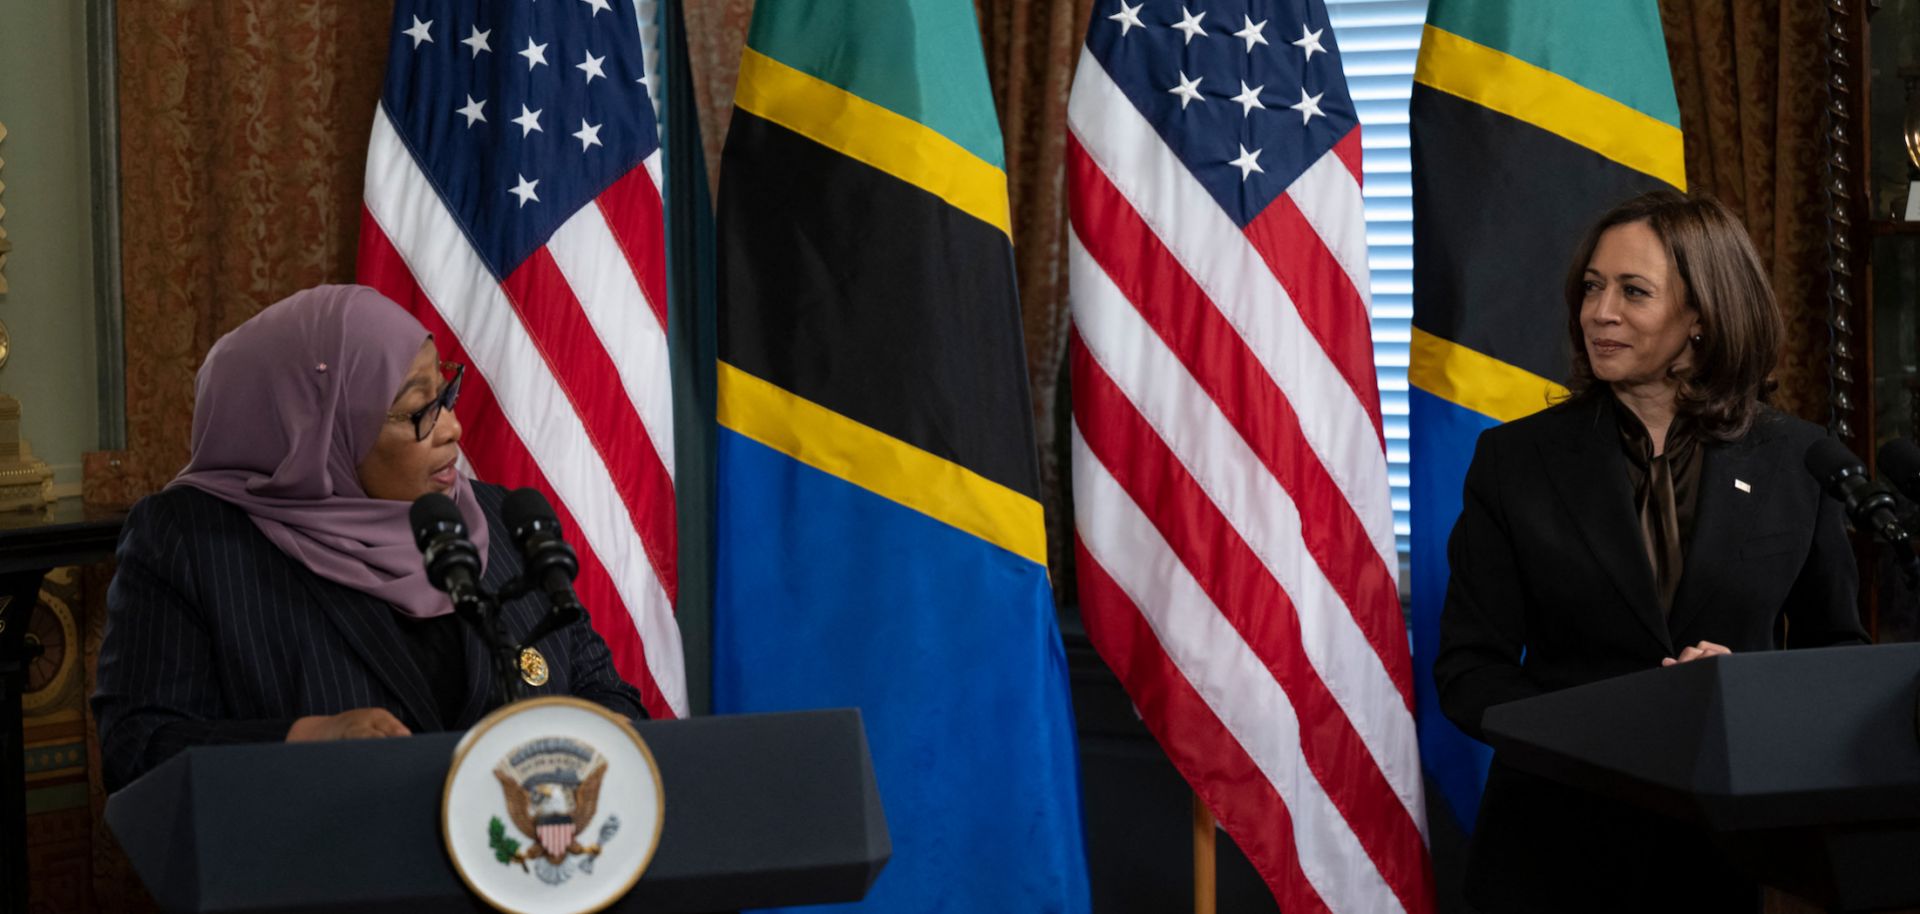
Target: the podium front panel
pixel 761 810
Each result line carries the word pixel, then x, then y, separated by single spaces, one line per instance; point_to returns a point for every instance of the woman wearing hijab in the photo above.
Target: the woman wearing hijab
pixel 273 590
pixel 1658 516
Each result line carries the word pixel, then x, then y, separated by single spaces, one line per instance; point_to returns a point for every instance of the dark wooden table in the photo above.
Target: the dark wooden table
pixel 31 544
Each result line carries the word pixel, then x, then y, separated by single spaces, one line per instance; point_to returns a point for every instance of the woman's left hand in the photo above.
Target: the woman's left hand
pixel 1703 649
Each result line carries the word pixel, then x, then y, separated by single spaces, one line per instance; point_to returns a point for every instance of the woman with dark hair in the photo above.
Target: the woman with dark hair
pixel 273 590
pixel 1658 515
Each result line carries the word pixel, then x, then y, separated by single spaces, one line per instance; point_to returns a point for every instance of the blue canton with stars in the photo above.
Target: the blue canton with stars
pixel 520 112
pixel 1248 93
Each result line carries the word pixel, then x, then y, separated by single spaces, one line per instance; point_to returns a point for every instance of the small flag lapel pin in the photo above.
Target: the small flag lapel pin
pixel 1741 484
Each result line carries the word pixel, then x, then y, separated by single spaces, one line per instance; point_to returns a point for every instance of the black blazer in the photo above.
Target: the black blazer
pixel 214 635
pixel 1551 588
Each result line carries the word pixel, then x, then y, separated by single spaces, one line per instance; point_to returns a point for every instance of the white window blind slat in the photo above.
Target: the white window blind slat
pixel 1379 41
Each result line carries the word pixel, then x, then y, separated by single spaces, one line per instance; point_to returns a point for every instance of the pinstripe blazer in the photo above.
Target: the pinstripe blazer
pixel 214 635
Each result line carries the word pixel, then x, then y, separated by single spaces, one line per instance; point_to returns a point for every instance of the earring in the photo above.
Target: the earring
pixel 1696 339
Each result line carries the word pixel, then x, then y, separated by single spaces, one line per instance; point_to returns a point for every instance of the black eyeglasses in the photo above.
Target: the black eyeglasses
pixel 423 419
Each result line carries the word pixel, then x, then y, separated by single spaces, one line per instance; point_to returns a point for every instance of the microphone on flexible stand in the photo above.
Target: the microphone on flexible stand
pixel 551 563
pixel 453 565
pixel 1870 505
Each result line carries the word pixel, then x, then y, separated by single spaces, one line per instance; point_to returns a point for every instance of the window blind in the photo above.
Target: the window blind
pixel 1379 40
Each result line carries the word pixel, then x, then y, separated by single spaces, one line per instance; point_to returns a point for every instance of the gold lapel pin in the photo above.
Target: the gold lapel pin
pixel 533 667
pixel 1741 484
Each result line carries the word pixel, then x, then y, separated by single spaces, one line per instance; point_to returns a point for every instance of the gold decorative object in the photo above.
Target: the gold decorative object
pixel 5 245
pixel 1909 130
pixel 25 480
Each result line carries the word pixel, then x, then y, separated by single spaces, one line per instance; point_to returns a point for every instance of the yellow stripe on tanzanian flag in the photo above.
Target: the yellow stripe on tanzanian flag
pixel 1478 382
pixel 860 129
pixel 1551 102
pixel 881 464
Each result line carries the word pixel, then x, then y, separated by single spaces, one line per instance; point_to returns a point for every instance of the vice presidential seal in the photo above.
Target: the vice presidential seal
pixel 552 804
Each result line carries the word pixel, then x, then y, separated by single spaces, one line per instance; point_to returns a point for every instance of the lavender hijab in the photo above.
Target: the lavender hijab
pixel 286 407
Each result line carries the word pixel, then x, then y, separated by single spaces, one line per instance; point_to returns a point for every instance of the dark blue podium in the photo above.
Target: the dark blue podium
pixel 1805 765
pixel 761 810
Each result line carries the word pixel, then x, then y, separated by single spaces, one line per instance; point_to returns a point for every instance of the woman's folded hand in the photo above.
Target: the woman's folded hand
pixel 359 723
pixel 1703 649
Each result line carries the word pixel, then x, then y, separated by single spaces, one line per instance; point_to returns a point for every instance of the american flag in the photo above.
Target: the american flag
pixel 1234 533
pixel 513 205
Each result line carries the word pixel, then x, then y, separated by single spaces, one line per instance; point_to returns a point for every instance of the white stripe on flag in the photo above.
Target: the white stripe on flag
pixel 1229 677
pixel 653 171
pixel 1261 511
pixel 597 270
pixel 1227 267
pixel 1329 199
pixel 470 300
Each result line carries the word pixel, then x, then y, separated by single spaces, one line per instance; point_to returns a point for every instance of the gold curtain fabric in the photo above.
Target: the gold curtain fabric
pixel 716 33
pixel 1751 79
pixel 243 136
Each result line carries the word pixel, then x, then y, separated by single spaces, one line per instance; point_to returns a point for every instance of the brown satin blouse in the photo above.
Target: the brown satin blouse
pixel 1666 490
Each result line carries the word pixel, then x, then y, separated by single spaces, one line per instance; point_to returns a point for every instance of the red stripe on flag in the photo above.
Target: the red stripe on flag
pixel 1215 354
pixel 1323 294
pixel 634 212
pixel 498 455
pixel 1199 745
pixel 1350 153
pixel 560 330
pixel 1264 614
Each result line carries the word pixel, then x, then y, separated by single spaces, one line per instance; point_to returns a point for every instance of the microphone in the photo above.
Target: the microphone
pixel 1900 461
pixel 1868 503
pixel 453 565
pixel 551 564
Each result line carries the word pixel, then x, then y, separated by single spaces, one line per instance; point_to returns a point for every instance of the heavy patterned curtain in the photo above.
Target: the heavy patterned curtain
pixel 1751 80
pixel 243 134
pixel 716 32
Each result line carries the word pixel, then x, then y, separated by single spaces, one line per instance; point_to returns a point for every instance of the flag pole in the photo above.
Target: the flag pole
pixel 1205 894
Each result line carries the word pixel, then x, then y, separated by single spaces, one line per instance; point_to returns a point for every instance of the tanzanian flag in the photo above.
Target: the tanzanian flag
pixel 1530 120
pixel 879 537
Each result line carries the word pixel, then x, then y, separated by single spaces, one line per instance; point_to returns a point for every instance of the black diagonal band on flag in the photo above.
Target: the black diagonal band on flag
pixel 1470 241
pixel 849 300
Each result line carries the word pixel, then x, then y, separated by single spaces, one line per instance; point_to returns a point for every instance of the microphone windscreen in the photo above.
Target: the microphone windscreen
pixel 1900 460
pixel 1827 458
pixel 525 508
pixel 434 513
